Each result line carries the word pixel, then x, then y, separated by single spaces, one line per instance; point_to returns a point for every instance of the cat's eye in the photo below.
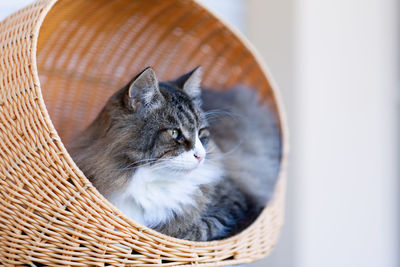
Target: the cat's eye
pixel 203 133
pixel 174 133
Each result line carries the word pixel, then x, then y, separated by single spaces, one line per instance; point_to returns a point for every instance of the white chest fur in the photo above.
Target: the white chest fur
pixel 153 195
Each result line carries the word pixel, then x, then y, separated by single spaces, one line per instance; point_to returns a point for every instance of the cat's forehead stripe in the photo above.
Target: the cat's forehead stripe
pixel 189 116
pixel 195 113
pixel 185 123
pixel 180 107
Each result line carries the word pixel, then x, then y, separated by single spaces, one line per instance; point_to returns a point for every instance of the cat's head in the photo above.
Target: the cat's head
pixel 160 122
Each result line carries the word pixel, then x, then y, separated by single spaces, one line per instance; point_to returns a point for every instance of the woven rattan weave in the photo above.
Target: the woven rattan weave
pixel 59 62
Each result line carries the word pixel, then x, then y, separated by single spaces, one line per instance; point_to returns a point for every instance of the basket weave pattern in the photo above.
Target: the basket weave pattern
pixel 59 62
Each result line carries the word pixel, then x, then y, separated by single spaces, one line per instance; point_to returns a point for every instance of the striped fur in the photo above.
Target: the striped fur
pixel 182 186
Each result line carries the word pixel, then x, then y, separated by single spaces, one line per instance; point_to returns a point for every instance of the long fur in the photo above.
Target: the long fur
pixel 193 186
pixel 247 132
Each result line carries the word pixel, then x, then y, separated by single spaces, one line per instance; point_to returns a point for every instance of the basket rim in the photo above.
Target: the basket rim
pixel 276 97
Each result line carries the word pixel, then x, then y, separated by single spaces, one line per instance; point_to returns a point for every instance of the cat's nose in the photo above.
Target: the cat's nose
pixel 199 156
pixel 199 151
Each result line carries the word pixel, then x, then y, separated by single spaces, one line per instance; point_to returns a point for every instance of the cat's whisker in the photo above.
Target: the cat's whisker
pixel 216 114
pixel 142 160
pixel 210 150
pixel 132 167
pixel 137 167
pixel 227 153
pixel 148 162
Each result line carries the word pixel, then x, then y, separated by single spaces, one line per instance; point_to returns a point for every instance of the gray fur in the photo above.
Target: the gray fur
pixel 248 134
pixel 130 129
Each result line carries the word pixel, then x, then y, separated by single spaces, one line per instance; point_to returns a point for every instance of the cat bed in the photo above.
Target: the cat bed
pixel 59 62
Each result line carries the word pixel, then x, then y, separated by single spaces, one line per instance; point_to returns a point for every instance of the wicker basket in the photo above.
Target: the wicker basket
pixel 59 62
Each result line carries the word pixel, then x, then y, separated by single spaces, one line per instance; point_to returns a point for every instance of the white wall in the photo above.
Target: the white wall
pixel 347 149
pixel 232 11
pixel 337 64
pixel 342 100
pixel 7 7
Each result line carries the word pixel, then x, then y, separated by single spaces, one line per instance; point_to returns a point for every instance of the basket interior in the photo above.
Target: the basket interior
pixel 89 49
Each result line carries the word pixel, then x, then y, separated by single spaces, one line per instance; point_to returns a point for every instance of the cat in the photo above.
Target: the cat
pixel 157 156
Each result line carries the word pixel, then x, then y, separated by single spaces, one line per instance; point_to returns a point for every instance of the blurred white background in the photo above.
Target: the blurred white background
pixel 337 66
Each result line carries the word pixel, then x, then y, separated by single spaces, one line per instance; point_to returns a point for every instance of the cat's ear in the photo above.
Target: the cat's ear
pixel 190 83
pixel 144 92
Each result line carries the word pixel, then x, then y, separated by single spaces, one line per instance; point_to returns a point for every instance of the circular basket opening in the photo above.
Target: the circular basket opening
pixel 86 50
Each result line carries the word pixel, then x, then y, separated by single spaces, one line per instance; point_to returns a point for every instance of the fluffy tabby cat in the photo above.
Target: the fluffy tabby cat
pixel 164 156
